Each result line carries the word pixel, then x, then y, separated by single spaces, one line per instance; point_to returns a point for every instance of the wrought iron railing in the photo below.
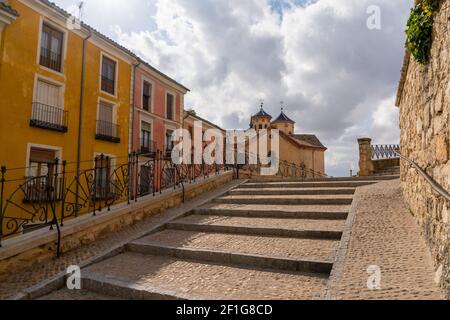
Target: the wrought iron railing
pixel 389 151
pixel 434 185
pixel 50 59
pixel 50 200
pixel 108 131
pixel 49 117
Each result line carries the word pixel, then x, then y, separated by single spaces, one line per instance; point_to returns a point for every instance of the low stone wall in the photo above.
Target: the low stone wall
pixel 424 101
pixel 24 251
pixel 383 164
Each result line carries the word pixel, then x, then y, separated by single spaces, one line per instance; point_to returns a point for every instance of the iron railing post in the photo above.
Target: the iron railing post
pixel 94 195
pixel 63 192
pixel 2 189
pixel 129 181
pixel 109 184
pixel 136 175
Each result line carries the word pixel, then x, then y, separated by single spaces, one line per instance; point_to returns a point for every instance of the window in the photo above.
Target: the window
pixel 42 169
pixel 146 138
pixel 170 106
pixel 103 177
pixel 48 93
pixel 105 125
pixel 108 76
pixel 51 48
pixel 147 96
pixel 260 127
pixel 169 143
pixel 47 111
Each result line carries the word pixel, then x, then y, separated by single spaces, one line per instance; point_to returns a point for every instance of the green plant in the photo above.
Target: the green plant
pixel 420 30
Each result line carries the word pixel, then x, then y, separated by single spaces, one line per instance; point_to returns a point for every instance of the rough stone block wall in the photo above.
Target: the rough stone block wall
pixel 424 119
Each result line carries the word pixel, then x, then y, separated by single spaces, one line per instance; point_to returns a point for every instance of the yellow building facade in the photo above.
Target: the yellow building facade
pixel 46 93
pixel 65 97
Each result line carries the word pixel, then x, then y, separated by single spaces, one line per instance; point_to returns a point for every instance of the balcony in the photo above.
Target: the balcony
pixel 147 148
pixel 107 131
pixel 48 117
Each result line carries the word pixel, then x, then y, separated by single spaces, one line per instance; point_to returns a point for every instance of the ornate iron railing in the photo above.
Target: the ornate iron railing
pixel 49 201
pixel 389 151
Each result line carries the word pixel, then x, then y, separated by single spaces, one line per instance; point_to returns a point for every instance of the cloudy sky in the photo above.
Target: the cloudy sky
pixel 337 77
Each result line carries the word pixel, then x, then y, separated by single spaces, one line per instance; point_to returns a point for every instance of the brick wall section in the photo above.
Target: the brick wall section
pixel 424 100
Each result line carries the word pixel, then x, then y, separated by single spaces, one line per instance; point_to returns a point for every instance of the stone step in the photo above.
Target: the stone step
pixel 297 184
pixel 288 200
pixel 291 191
pixel 262 227
pixel 338 212
pixel 145 277
pixel 336 179
pixel 236 259
pixel 306 255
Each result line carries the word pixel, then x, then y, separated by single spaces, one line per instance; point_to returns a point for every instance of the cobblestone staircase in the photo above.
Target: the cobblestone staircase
pixel 267 239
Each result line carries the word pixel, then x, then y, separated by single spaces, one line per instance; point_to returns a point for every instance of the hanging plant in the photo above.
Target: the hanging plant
pixel 420 30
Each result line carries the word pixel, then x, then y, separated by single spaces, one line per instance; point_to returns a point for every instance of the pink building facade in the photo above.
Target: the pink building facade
pixel 158 111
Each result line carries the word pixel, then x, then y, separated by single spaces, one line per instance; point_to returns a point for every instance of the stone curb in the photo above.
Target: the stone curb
pixel 341 255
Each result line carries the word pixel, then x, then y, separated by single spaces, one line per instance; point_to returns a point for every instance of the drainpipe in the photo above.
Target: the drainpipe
pixel 133 117
pixel 133 107
pixel 80 119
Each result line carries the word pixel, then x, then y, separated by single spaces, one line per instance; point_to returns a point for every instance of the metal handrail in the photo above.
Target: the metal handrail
pixel 434 185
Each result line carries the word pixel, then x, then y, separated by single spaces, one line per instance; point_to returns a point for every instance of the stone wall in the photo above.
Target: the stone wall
pixel 424 101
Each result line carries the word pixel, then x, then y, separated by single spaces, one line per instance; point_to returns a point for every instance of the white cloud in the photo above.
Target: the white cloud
pixel 336 77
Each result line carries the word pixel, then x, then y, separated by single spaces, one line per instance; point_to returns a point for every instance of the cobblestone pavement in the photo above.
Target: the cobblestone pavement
pixel 214 281
pixel 385 234
pixel 12 284
pixel 232 264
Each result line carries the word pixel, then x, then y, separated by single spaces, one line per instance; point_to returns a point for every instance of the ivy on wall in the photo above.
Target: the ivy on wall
pixel 420 30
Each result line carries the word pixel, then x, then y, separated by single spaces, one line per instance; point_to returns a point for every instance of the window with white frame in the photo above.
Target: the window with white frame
pixel 147 88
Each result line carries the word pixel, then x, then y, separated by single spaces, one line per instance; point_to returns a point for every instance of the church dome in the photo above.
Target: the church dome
pixel 283 118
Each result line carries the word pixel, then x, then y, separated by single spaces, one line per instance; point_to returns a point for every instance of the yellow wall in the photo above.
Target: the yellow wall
pixel 17 77
pixel 19 70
